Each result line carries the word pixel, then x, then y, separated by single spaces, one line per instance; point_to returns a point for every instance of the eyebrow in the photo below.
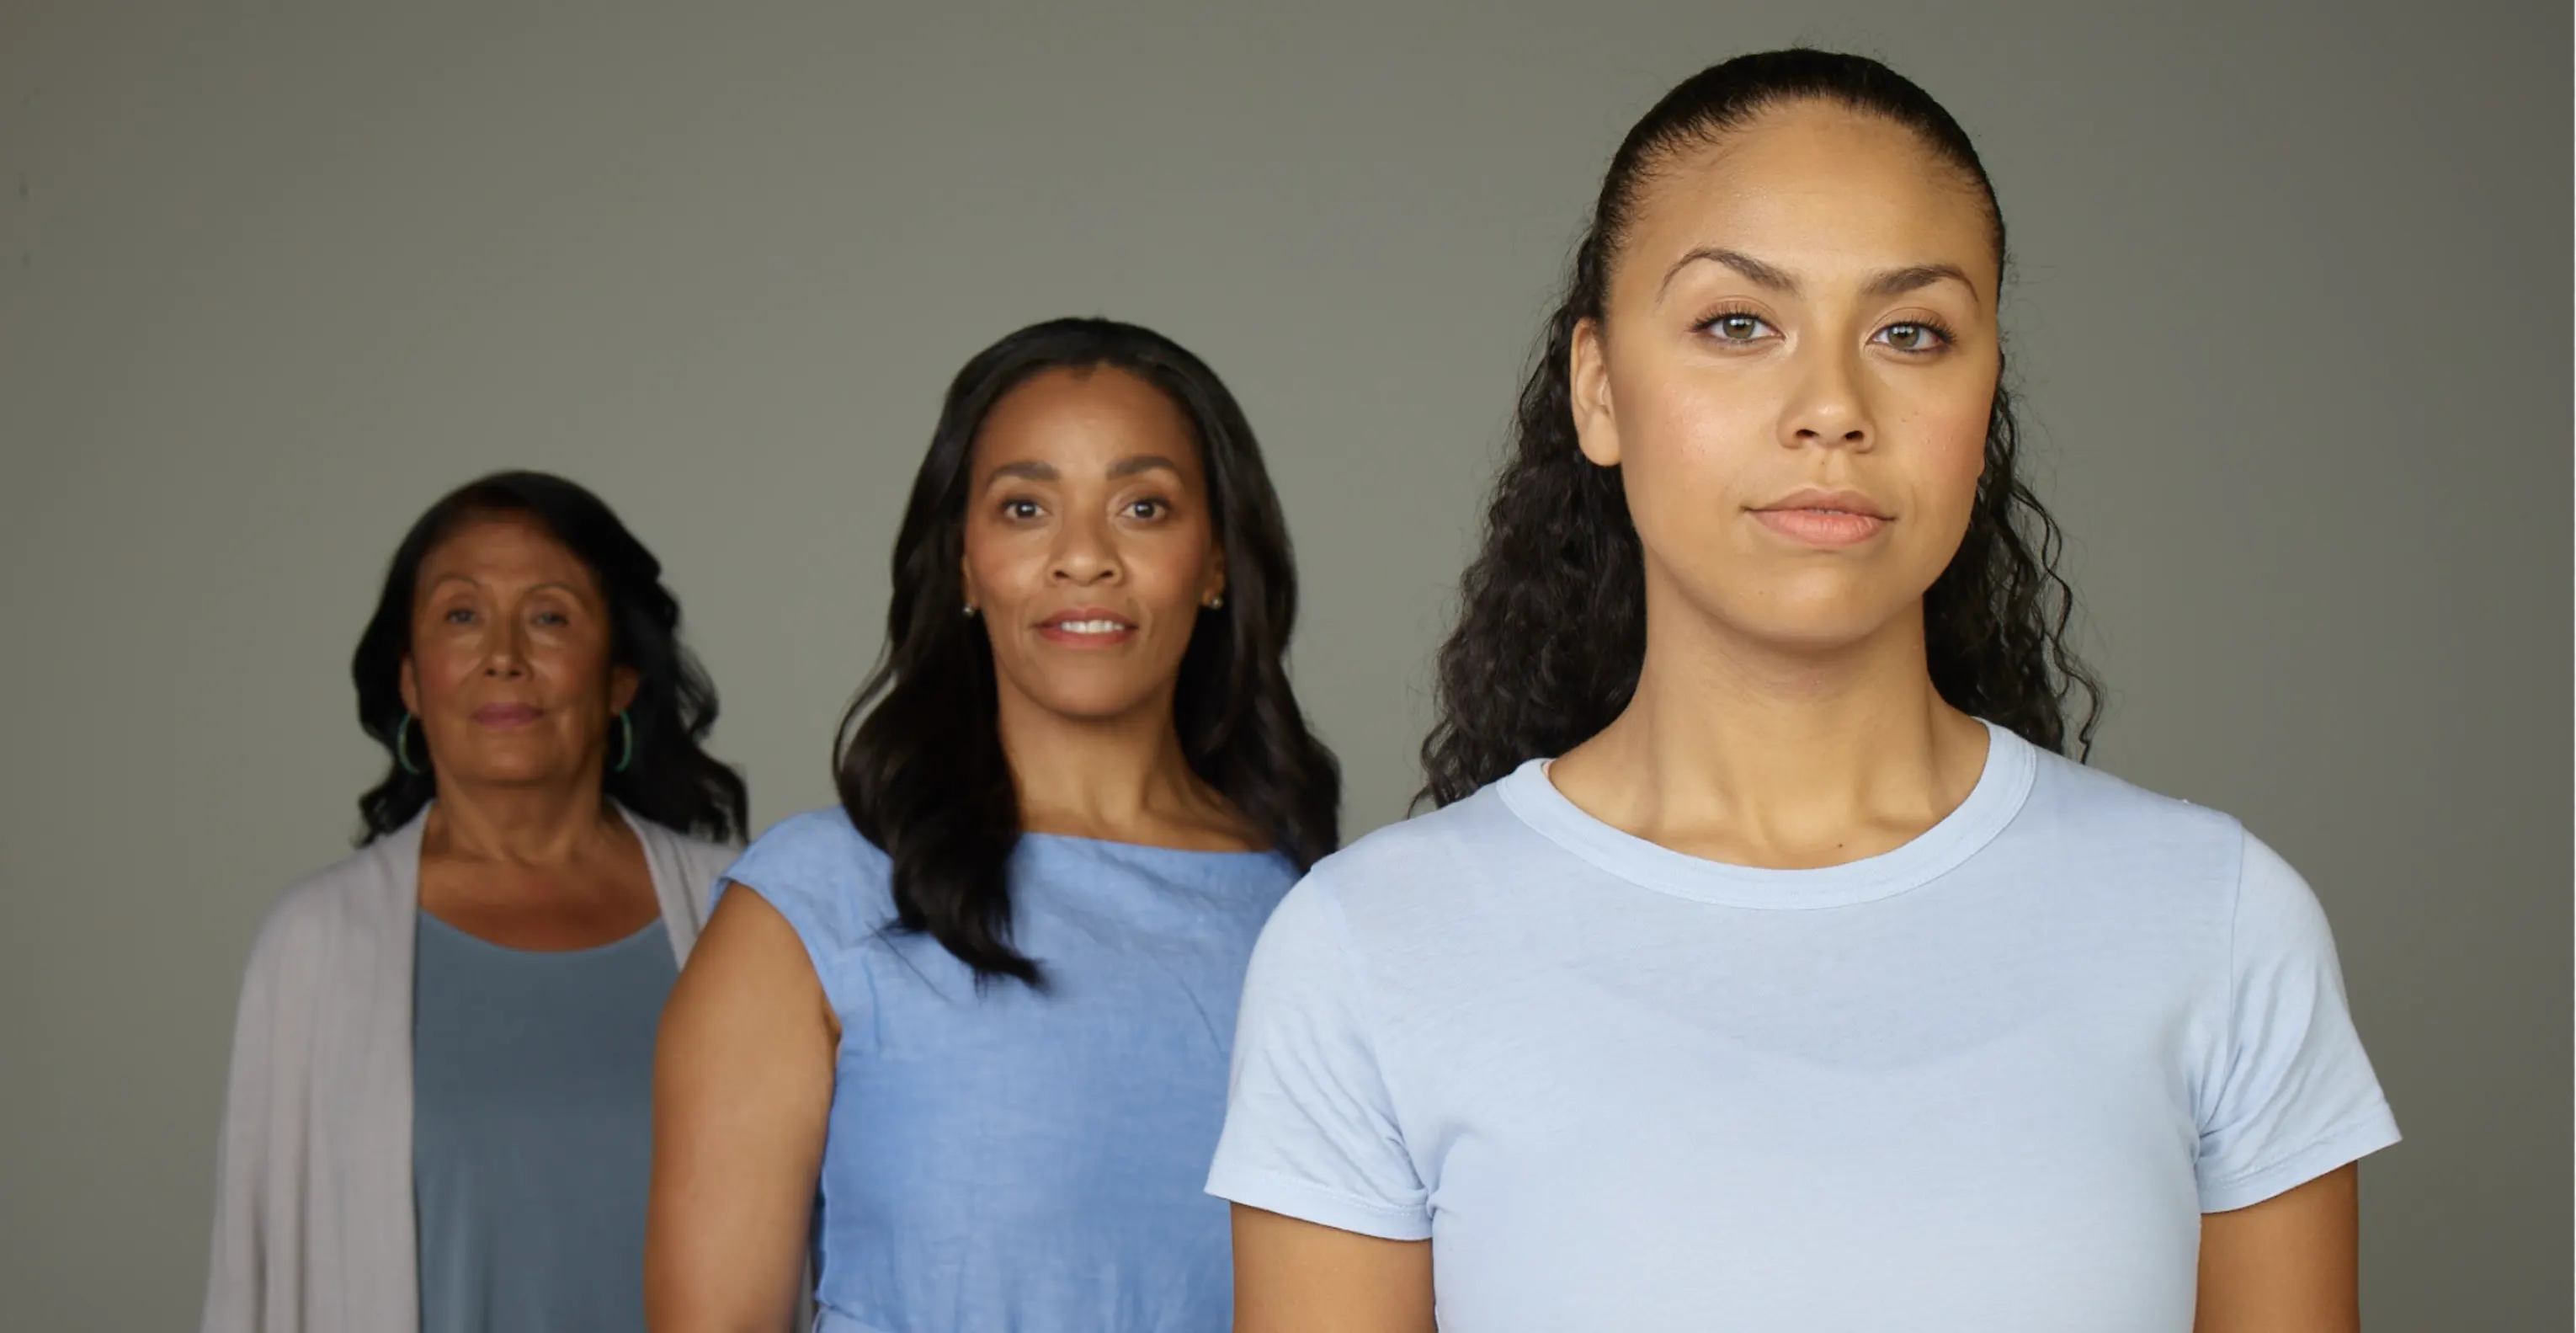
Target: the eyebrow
pixel 1898 281
pixel 1754 270
pixel 1031 469
pixel 1027 470
pixel 472 582
pixel 1139 464
pixel 1893 282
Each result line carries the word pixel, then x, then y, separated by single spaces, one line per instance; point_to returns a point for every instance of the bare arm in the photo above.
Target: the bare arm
pixel 2289 1264
pixel 742 1084
pixel 1299 1277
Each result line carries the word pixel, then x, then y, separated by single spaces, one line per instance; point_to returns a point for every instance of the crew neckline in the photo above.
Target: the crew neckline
pixel 458 934
pixel 2012 765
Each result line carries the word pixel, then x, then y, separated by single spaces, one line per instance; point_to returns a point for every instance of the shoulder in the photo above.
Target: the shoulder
pixel 350 901
pixel 1409 874
pixel 2084 807
pixel 1400 850
pixel 820 841
pixel 702 860
pixel 2164 854
pixel 2276 913
pixel 818 870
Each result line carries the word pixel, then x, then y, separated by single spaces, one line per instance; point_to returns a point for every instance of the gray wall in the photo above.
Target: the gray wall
pixel 2291 317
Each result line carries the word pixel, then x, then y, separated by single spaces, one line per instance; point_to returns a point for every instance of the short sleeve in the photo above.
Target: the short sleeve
pixel 829 882
pixel 1310 1131
pixel 2295 1097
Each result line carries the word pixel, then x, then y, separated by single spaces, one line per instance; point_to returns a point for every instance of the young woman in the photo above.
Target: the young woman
pixel 987 1002
pixel 1766 967
pixel 440 1117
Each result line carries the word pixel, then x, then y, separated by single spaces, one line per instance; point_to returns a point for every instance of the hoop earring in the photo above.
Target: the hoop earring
pixel 402 745
pixel 626 755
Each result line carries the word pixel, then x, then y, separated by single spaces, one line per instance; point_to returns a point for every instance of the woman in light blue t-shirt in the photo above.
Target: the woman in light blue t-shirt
pixel 963 1039
pixel 1767 966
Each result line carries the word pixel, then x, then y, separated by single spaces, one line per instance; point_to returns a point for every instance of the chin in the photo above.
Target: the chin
pixel 1813 625
pixel 509 770
pixel 1093 705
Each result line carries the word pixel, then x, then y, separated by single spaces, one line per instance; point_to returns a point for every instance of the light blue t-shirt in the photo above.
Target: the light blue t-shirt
pixel 1986 1082
pixel 1012 1160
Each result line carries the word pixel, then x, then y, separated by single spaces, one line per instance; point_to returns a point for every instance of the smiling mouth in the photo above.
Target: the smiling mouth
pixel 1086 627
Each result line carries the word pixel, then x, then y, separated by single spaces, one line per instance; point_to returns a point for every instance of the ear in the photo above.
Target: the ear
pixel 410 687
pixel 1587 373
pixel 1214 584
pixel 622 685
pixel 966 584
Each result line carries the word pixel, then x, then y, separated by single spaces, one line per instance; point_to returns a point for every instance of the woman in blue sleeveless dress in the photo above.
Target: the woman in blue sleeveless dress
pixel 961 1043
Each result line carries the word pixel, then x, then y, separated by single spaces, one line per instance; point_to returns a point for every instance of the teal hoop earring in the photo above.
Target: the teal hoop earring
pixel 626 753
pixel 402 745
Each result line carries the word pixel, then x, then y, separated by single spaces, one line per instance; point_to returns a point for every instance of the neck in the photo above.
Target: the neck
pixel 1120 778
pixel 1779 755
pixel 525 825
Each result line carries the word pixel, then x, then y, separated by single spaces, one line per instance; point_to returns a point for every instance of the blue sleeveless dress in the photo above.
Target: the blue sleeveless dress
pixel 1005 1159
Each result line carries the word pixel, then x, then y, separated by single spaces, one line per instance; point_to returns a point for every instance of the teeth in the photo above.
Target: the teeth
pixel 1089 626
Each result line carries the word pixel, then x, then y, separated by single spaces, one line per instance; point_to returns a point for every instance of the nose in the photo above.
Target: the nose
pixel 1085 554
pixel 1830 406
pixel 505 649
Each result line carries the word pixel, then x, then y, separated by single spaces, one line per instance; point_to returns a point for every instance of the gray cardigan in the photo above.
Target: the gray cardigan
pixel 313 1199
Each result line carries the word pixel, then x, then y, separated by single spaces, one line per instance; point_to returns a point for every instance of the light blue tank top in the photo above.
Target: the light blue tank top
pixel 532 1136
pixel 1019 1160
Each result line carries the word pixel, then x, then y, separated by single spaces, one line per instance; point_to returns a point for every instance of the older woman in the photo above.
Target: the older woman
pixel 440 1106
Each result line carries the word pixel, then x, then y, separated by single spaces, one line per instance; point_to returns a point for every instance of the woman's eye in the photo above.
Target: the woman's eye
pixel 459 615
pixel 1149 509
pixel 1020 509
pixel 1913 337
pixel 552 618
pixel 1737 327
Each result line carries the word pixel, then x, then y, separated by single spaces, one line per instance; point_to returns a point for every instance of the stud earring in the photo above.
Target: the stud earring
pixel 1216 601
pixel 970 610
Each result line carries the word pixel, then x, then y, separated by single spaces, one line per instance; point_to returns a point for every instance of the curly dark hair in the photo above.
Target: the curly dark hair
pixel 920 763
pixel 1551 632
pixel 672 780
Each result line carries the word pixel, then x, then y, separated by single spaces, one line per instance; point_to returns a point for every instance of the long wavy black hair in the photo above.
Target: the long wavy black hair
pixel 671 779
pixel 919 756
pixel 1551 631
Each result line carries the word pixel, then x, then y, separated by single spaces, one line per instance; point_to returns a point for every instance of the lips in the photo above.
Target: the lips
pixel 1825 518
pixel 504 717
pixel 1086 627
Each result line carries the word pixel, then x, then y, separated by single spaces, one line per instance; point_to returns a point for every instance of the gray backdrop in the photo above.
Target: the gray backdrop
pixel 2289 314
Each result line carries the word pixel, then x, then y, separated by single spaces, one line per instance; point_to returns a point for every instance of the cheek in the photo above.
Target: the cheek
pixel 1168 566
pixel 1950 452
pixel 1688 444
pixel 997 565
pixel 438 663
pixel 575 664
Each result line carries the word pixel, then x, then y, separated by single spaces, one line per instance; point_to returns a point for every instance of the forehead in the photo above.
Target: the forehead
pixel 504 550
pixel 1083 421
pixel 1817 189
